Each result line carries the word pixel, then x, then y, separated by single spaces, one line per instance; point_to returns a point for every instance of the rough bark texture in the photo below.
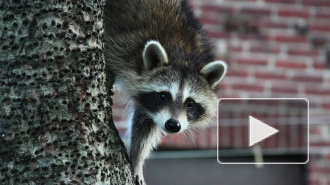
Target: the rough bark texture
pixel 55 116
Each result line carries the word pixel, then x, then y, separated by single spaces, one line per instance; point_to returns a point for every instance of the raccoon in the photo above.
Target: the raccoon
pixel 163 63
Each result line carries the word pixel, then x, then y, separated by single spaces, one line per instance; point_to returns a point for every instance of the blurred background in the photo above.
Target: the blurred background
pixel 274 49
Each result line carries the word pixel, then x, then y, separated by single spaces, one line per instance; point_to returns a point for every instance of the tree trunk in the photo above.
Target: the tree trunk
pixel 55 117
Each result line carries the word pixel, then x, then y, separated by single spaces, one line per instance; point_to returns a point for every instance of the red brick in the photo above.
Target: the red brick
pixel 280 1
pixel 317 2
pixel 211 133
pixel 327 157
pixel 226 95
pixel 244 134
pixel 286 90
pixel 301 137
pixel 234 48
pixel 209 20
pixel 218 34
pixel 255 11
pixel 304 52
pixel 252 61
pixel 253 37
pixel 264 49
pixel 252 23
pixel 231 136
pixel 270 76
pixel 215 8
pixel 290 64
pixel 320 27
pixel 306 78
pixel 318 41
pixel 319 92
pixel 322 15
pixel 320 66
pixel 290 39
pixel 246 36
pixel 229 114
pixel 293 13
pixel 321 169
pixel 315 130
pixel 326 105
pixel 248 87
pixel 238 73
pixel 224 85
pixel 268 24
pixel 270 103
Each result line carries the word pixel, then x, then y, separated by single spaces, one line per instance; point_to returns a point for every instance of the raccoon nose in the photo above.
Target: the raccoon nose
pixel 172 126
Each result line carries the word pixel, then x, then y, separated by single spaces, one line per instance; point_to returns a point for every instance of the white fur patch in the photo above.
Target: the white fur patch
pixel 174 90
pixel 157 88
pixel 187 92
pixel 183 121
pixel 161 117
pixel 130 116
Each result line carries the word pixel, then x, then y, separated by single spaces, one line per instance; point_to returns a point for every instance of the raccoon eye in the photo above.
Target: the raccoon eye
pixel 190 104
pixel 163 96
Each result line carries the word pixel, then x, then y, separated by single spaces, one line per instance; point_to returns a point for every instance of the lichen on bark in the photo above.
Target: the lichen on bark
pixel 55 116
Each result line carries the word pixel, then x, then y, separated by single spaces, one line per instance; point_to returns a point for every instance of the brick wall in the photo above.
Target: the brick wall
pixel 274 48
pixel 277 48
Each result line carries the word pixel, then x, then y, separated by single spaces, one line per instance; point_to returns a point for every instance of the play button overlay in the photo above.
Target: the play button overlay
pixel 263 131
pixel 259 131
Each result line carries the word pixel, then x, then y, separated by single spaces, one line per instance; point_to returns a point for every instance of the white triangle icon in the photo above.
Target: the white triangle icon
pixel 259 131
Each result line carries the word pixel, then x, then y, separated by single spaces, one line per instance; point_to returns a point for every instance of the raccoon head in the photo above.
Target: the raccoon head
pixel 177 96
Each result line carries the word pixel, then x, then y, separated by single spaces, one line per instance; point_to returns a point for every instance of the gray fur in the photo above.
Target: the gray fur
pixel 155 46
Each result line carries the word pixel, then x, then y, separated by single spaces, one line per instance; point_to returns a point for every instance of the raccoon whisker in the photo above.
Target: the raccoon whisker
pixel 185 134
pixel 189 132
pixel 202 131
pixel 198 129
pixel 191 127
pixel 192 135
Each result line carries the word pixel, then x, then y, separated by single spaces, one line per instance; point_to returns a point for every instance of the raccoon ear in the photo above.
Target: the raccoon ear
pixel 214 72
pixel 154 55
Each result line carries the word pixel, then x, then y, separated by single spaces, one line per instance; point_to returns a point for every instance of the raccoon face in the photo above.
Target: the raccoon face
pixel 176 98
pixel 173 108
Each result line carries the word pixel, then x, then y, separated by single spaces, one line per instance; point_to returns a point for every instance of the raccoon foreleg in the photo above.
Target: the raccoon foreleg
pixel 144 135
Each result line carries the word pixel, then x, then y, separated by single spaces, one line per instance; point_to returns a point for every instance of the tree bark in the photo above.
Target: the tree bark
pixel 55 117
